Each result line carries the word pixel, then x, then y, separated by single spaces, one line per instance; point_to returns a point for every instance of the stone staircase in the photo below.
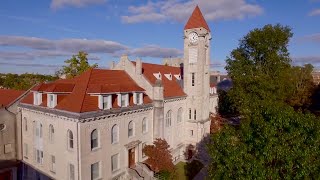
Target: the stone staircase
pixel 141 172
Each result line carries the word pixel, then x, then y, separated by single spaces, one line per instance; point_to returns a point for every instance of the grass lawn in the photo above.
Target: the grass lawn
pixel 186 171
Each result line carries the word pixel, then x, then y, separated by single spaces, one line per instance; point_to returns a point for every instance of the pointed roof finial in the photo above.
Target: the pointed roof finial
pixel 196 20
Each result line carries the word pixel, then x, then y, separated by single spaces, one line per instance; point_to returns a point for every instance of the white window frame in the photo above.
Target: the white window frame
pixel 70 140
pixel 138 98
pixel 53 163
pixel 117 156
pixel 51 100
pixel 25 124
pixel 105 101
pixel 26 153
pixel 144 125
pixel 51 133
pixel 71 175
pixel 179 116
pixel 99 170
pixel 97 139
pixel 133 126
pixel 115 134
pixel 168 118
pixel 37 98
pixel 143 154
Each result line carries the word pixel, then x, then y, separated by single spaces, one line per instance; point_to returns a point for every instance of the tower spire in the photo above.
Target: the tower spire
pixel 196 20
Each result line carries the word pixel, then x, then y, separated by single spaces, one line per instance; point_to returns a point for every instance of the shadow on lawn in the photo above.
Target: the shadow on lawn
pixel 192 169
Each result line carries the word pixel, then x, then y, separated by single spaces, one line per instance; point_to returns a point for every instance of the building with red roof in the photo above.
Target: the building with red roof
pixel 95 125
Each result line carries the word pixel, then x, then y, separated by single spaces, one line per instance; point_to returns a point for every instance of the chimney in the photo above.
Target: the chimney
pixel 158 90
pixel 112 65
pixel 138 66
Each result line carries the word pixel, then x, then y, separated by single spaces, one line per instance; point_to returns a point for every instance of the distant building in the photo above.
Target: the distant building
pixel 316 77
pixel 95 125
pixel 9 141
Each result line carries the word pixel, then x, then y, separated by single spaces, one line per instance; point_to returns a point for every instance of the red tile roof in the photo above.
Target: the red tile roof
pixel 77 97
pixel 171 87
pixel 9 95
pixel 197 20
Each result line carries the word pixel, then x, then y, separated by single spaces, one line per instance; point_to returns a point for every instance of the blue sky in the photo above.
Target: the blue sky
pixel 37 36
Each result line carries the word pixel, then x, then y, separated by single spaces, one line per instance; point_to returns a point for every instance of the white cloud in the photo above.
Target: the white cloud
pixel 180 10
pixel 57 4
pixel 64 45
pixel 314 12
pixel 37 48
pixel 155 51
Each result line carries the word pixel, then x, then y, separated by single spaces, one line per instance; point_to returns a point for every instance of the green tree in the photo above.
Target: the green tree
pixel 273 140
pixel 76 65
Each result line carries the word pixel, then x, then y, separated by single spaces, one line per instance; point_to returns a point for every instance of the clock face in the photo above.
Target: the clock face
pixel 193 37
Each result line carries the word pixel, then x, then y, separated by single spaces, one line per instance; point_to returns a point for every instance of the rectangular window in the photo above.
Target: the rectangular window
pixel 38 156
pixel 107 102
pixel 191 132
pixel 53 163
pixel 192 79
pixel 138 98
pixel 51 100
pixel 25 124
pixel 95 171
pixel 115 162
pixel 190 113
pixel 195 115
pixel 71 172
pixel 25 150
pixel 123 100
pixel 143 145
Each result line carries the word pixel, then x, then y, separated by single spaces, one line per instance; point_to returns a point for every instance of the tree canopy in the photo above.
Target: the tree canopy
pixel 273 140
pixel 76 65
pixel 23 81
pixel 159 156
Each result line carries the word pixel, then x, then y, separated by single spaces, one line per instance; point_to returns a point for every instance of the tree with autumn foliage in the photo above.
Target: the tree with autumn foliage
pixel 159 156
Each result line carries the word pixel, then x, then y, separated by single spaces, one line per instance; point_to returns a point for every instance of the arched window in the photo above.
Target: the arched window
pixel 114 134
pixel 51 133
pixel 40 130
pixel 25 124
pixel 94 139
pixel 168 118
pixel 179 118
pixel 70 139
pixel 130 129
pixel 144 125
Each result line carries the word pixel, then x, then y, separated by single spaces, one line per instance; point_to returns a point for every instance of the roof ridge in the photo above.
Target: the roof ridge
pixel 85 91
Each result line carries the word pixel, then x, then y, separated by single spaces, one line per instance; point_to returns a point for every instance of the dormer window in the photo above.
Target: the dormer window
pixel 168 76
pixel 37 98
pixel 123 100
pixel 157 75
pixel 51 100
pixel 138 98
pixel 105 102
pixel 177 76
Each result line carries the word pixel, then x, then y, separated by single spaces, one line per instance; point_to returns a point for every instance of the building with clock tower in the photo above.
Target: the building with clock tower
pixel 95 125
pixel 196 66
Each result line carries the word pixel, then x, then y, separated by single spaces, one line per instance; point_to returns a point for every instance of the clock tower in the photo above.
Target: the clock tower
pixel 196 71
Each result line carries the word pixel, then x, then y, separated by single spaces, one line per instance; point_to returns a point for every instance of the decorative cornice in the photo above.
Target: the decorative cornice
pixel 86 117
pixel 175 99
